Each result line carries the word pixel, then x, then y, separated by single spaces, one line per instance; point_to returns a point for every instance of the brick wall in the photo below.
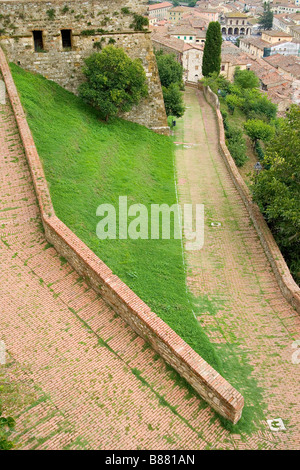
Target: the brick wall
pixel 210 385
pixel 288 286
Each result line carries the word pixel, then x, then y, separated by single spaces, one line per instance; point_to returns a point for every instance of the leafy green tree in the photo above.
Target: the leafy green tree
pixel 217 82
pixel 170 74
pixel 173 100
pixel 235 142
pixel 266 19
pixel 6 424
pixel 114 81
pixel 170 71
pixel 258 130
pixel 233 101
pixel 245 79
pixel 277 188
pixel 212 49
pixel 257 105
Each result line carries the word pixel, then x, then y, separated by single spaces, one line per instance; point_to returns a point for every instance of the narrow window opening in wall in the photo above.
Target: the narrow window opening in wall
pixel 38 41
pixel 66 38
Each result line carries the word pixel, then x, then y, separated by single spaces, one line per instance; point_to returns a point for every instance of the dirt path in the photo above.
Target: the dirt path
pixel 233 274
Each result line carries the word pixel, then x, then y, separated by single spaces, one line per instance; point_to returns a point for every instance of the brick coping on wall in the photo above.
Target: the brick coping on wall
pixel 210 385
pixel 287 285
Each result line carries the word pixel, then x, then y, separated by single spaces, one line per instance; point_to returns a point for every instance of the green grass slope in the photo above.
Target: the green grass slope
pixel 87 163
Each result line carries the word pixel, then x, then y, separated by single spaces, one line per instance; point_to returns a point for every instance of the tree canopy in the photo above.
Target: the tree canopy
pixel 170 74
pixel 173 100
pixel 257 129
pixel 170 71
pixel 114 82
pixel 277 188
pixel 212 49
pixel 245 79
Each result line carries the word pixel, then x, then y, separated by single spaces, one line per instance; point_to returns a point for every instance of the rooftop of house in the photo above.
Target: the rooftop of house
pixel 204 10
pixel 158 6
pixel 290 64
pixel 275 33
pixel 259 43
pixel 235 14
pixel 183 30
pixel 180 9
pixel 174 43
pixel 195 22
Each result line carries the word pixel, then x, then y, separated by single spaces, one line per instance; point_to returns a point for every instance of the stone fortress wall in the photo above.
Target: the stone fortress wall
pixel 31 36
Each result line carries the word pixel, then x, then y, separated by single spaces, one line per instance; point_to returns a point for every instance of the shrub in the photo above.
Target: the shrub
pixel 126 11
pixel 238 151
pixel 114 81
pixel 216 82
pixel 51 13
pixel 139 22
pixel 233 101
pixel 88 32
pixel 236 144
pixel 245 79
pixel 6 424
pixel 258 130
pixel 173 100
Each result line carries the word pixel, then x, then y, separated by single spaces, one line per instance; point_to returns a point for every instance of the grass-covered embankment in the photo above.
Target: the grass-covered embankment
pixel 88 162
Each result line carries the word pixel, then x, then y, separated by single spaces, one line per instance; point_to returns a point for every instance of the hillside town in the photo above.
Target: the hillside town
pixel 273 53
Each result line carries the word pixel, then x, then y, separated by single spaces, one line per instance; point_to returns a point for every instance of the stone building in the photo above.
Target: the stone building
pixel 54 37
pixel 236 24
pixel 159 10
pixel 188 55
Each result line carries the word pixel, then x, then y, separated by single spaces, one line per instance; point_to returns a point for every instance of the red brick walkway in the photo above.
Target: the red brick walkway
pixel 77 362
pixel 233 271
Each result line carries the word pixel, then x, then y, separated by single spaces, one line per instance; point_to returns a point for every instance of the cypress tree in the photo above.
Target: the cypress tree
pixel 212 49
pixel 266 19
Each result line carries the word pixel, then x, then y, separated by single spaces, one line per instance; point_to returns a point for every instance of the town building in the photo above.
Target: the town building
pixel 235 24
pixel 159 10
pixel 175 14
pixel 188 55
pixel 257 47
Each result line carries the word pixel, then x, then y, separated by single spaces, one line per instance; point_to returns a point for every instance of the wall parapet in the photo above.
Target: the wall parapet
pixel 287 285
pixel 210 385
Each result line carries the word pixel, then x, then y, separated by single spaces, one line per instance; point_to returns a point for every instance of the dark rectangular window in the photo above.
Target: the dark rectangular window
pixel 66 38
pixel 38 41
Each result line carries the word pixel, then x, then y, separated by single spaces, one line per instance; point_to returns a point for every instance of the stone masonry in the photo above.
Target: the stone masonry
pixel 53 39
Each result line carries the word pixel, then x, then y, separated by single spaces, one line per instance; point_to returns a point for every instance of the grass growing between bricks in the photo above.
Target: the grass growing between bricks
pixel 87 163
